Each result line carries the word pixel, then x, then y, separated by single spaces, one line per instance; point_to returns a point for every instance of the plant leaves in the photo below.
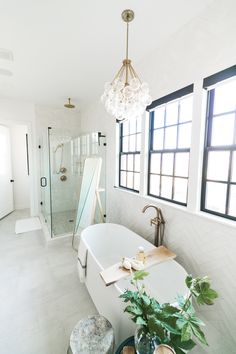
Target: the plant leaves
pixel 140 275
pixel 186 332
pixel 189 280
pixel 199 334
pixel 146 299
pixel 169 310
pixel 177 349
pixel 172 325
pixel 169 328
pixel 140 321
pixel 155 326
pixel 207 297
pixel 200 288
pixel 133 310
pixel 196 320
pixel 181 322
pixel 187 345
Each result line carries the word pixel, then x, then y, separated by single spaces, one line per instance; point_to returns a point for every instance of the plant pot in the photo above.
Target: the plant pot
pixel 145 343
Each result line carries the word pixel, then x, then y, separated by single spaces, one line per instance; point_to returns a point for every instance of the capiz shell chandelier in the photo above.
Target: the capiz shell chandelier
pixel 126 97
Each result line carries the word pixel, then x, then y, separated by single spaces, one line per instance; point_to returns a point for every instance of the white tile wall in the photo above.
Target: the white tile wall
pixel 204 245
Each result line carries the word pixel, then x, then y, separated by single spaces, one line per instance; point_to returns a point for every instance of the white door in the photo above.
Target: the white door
pixel 6 187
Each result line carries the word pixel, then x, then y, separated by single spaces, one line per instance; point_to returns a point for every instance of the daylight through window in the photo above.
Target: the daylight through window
pixel 219 168
pixel 130 146
pixel 170 140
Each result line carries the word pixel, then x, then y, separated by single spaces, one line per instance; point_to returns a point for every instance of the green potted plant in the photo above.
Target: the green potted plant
pixel 176 326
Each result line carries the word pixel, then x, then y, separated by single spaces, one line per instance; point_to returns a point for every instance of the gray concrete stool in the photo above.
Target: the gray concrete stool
pixel 92 335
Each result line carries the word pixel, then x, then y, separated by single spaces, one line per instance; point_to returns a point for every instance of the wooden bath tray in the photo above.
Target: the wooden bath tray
pixel 116 272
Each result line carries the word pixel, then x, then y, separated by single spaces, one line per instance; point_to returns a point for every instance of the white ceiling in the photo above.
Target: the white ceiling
pixel 70 48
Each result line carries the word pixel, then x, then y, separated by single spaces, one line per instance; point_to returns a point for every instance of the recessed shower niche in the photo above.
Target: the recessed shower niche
pixel 62 159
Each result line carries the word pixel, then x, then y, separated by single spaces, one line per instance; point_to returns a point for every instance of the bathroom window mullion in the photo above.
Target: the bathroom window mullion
pixel 169 182
pixel 150 147
pixel 208 203
pixel 129 151
pixel 127 170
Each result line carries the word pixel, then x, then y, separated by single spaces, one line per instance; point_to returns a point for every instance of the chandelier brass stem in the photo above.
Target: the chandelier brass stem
pixel 126 96
pixel 127 55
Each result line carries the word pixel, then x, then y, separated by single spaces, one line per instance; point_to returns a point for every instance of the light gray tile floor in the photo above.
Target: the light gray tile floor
pixel 41 298
pixel 62 222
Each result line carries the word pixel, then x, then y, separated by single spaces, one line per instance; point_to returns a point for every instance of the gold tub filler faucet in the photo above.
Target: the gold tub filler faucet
pixel 159 223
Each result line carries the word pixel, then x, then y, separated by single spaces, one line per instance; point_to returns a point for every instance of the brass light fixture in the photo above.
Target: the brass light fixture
pixel 69 105
pixel 126 97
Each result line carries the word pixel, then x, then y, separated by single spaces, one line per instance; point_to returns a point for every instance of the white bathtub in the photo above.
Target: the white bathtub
pixel 106 245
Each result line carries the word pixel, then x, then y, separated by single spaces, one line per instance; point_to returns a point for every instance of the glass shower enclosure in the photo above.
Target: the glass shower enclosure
pixel 62 159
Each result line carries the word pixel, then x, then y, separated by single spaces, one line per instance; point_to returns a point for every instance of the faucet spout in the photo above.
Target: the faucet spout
pixel 159 223
pixel 150 206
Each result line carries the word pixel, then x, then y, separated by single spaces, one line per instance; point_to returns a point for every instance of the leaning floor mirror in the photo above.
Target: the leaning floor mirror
pixel 89 201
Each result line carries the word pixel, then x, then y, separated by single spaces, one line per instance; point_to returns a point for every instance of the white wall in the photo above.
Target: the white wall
pixel 204 245
pixel 21 186
pixel 63 120
pixel 23 113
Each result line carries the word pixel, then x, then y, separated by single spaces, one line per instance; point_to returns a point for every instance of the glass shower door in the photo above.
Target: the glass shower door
pixel 62 160
pixel 45 186
pixel 63 183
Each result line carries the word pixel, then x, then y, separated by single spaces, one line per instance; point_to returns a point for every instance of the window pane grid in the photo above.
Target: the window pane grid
pixel 224 113
pixel 129 156
pixel 168 173
pixel 218 181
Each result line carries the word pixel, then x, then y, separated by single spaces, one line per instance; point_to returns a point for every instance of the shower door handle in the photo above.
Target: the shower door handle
pixel 43 182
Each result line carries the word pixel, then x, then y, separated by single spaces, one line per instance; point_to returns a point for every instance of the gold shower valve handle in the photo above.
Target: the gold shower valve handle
pixel 63 170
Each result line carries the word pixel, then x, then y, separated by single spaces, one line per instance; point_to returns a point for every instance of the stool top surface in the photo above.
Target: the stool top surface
pixel 93 334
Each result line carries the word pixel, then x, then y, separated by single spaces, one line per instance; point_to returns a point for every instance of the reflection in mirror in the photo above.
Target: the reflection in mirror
pixel 89 199
pixel 89 187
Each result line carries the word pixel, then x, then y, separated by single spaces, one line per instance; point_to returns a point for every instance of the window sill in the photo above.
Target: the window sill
pixel 215 218
pixel 181 208
pixel 126 190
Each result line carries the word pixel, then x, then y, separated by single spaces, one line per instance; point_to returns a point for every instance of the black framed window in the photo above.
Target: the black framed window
pixel 169 146
pixel 129 159
pixel 219 163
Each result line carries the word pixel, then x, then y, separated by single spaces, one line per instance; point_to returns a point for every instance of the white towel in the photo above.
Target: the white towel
pixel 82 260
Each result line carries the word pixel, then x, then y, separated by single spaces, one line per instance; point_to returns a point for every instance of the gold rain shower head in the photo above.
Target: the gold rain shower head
pixel 69 105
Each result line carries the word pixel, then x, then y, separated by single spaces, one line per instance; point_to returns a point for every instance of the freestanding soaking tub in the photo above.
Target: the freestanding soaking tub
pixel 105 245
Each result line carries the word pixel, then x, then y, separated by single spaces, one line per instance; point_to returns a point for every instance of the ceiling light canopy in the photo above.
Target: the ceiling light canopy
pixel 126 97
pixel 69 105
